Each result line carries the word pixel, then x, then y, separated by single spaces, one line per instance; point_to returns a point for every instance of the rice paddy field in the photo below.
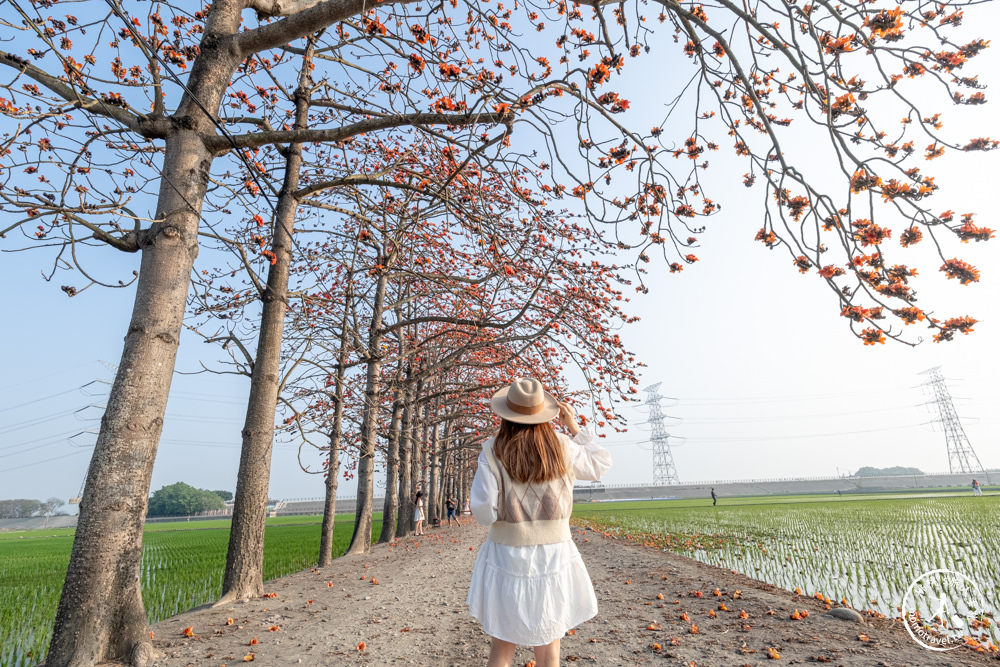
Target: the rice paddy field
pixel 182 567
pixel 860 551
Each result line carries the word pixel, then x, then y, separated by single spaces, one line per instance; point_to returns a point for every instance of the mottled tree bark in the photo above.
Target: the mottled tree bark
pixel 361 540
pixel 391 502
pixel 404 526
pixel 433 493
pixel 244 575
pixel 101 613
pixel 336 429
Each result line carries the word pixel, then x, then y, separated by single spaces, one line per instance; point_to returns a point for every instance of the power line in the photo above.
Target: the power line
pixel 39 400
pixel 56 458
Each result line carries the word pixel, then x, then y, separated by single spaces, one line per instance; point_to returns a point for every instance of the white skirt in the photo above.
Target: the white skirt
pixel 530 596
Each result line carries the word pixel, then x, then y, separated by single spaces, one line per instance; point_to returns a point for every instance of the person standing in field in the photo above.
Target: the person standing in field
pixel 976 490
pixel 529 584
pixel 714 497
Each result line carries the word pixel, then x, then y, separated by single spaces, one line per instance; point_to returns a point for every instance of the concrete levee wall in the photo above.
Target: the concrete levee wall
pixel 38 523
pixel 598 493
pixel 779 487
pixel 315 506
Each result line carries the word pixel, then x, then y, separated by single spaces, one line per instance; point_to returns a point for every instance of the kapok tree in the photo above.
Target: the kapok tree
pixel 83 152
pixel 836 109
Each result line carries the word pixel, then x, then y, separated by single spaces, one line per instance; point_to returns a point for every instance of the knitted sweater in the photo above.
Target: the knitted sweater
pixel 533 512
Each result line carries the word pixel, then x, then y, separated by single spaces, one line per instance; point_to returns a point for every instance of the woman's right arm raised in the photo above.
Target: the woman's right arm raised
pixel 590 461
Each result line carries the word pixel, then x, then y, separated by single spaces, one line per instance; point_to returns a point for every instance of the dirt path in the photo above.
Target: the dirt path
pixel 415 614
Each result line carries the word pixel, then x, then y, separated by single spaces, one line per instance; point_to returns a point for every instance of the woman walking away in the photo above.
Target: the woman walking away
pixel 976 490
pixel 529 584
pixel 418 514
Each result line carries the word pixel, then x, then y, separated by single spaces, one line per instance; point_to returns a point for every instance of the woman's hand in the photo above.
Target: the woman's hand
pixel 567 415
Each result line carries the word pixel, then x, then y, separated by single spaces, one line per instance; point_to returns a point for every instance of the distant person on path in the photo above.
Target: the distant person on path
pixel 418 514
pixel 715 498
pixel 450 505
pixel 529 585
pixel 976 491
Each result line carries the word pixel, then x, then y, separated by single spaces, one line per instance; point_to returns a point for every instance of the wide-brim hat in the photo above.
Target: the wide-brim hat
pixel 525 401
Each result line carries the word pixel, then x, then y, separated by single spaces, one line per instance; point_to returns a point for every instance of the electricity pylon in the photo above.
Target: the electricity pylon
pixel 960 453
pixel 664 471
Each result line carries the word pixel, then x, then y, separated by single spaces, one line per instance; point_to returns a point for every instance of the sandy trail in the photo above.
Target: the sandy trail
pixel 415 614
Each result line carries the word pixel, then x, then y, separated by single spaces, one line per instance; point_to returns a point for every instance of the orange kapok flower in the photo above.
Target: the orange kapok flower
pixel 248 657
pixel 361 646
pixel 253 642
pixel 188 631
pixel 773 654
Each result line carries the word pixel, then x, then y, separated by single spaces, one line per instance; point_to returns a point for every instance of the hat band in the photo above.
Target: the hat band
pixel 526 410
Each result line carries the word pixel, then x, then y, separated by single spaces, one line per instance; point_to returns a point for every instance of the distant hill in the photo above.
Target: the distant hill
pixel 894 471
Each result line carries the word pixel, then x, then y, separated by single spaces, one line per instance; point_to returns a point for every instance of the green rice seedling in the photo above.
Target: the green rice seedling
pixel 182 568
pixel 867 551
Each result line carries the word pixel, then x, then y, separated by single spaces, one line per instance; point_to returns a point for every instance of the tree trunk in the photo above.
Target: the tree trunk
pixel 244 576
pixel 330 502
pixel 101 614
pixel 404 526
pixel 433 494
pixel 361 540
pixel 414 439
pixel 392 472
pixel 333 467
pixel 424 450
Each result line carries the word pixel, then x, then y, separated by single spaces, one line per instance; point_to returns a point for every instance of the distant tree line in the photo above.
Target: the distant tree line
pixel 894 471
pixel 182 499
pixel 22 508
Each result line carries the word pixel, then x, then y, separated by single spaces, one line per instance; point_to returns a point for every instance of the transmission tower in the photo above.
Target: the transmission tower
pixel 664 471
pixel 961 457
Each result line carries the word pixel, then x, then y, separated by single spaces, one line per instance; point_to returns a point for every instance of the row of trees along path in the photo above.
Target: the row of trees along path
pixel 403 205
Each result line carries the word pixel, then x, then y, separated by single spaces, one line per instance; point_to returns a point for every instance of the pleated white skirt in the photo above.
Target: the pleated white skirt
pixel 530 596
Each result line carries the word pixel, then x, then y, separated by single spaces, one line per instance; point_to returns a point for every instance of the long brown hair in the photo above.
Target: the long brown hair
pixel 529 452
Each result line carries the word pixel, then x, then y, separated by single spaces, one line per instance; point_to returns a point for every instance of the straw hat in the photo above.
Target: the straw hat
pixel 525 401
